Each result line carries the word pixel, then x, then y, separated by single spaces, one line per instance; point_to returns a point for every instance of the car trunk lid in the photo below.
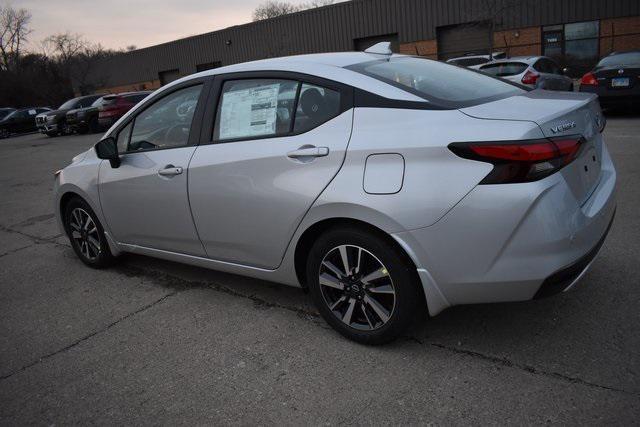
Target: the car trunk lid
pixel 618 77
pixel 558 114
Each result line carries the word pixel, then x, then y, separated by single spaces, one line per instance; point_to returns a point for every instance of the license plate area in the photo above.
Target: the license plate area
pixel 620 82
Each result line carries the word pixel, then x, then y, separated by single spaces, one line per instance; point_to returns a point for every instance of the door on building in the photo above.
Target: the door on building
pixel 462 39
pixel 168 76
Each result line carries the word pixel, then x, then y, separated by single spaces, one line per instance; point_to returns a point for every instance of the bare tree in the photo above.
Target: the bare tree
pixel 14 30
pixel 76 57
pixel 274 8
pixel 131 48
pixel 496 11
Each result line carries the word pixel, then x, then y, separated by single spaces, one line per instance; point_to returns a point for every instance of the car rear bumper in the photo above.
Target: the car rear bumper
pixel 504 242
pixel 614 97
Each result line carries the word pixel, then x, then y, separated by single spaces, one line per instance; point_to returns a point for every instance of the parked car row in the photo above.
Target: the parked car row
pixel 615 79
pixel 91 113
pixel 21 120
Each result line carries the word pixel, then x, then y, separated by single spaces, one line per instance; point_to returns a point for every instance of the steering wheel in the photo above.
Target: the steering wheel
pixel 176 133
pixel 185 109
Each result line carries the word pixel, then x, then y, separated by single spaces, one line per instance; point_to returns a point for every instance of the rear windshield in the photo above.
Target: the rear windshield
pixel 468 62
pixel 444 85
pixel 69 104
pixel 136 98
pixel 504 69
pixel 621 59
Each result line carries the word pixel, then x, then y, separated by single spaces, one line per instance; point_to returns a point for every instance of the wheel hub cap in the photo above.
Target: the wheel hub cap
pixel 356 287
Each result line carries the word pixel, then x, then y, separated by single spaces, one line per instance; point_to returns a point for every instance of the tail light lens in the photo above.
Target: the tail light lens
pixel 589 80
pixel 530 78
pixel 521 161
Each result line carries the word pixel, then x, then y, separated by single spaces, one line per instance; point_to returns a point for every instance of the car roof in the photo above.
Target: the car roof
pixel 331 66
pixel 526 59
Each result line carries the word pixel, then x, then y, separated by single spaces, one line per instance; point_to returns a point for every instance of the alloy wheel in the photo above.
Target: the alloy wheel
pixel 357 287
pixel 85 233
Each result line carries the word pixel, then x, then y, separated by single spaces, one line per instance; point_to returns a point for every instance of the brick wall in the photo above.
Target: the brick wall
pixel 519 42
pixel 150 85
pixel 619 34
pixel 426 48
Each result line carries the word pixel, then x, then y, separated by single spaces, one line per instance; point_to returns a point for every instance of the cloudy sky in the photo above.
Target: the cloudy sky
pixel 120 23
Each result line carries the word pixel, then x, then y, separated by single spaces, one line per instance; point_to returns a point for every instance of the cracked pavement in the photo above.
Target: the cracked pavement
pixel 154 342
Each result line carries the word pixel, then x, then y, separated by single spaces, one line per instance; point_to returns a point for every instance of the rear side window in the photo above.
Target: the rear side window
pixel 504 69
pixel 316 105
pixel 134 99
pixel 444 85
pixel 255 108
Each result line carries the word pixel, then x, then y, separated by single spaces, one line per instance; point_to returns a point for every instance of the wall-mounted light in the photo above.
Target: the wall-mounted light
pixel 516 34
pixel 228 42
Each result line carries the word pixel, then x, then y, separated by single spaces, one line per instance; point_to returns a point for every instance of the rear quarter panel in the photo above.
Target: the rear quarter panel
pixel 434 178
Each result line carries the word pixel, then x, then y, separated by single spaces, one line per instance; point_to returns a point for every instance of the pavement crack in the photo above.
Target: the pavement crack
pixel 33 238
pixel 523 367
pixel 91 335
pixel 180 283
pixel 13 251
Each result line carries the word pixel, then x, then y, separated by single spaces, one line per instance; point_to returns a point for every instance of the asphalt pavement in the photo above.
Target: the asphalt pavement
pixel 153 342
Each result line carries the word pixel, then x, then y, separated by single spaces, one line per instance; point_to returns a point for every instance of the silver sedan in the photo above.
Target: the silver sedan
pixel 384 184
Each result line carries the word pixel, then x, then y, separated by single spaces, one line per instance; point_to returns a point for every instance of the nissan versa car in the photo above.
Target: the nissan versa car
pixel 384 184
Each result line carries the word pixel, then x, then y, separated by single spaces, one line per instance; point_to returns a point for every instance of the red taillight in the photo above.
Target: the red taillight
pixel 589 80
pixel 520 161
pixel 530 78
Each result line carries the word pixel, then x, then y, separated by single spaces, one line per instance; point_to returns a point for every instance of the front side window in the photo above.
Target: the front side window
pixel 444 85
pixel 167 122
pixel 255 108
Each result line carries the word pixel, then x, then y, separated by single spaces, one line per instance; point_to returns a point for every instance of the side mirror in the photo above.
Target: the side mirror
pixel 108 149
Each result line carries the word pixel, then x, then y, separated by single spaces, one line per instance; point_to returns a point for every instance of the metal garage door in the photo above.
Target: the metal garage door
pixel 458 40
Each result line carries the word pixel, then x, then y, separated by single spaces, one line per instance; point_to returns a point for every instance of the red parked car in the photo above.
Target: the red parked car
pixel 114 106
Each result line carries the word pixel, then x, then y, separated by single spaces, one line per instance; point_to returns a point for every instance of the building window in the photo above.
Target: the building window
pixel 573 45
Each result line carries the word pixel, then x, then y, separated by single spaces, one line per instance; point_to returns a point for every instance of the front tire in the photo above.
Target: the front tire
pixel 363 287
pixel 86 234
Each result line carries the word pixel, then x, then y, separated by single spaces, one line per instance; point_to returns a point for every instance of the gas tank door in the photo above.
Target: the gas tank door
pixel 383 173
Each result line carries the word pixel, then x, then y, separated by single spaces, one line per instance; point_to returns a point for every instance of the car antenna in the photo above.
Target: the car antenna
pixel 382 48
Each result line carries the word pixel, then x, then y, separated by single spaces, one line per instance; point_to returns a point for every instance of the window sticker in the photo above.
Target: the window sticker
pixel 249 112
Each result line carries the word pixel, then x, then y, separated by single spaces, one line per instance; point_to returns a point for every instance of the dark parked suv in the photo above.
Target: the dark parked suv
pixel 84 120
pixel 55 122
pixel 114 106
pixel 20 121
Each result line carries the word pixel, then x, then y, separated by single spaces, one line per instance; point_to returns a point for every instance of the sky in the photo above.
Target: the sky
pixel 120 23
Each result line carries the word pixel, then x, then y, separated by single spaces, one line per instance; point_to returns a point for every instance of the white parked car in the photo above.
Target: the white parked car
pixel 538 72
pixel 475 61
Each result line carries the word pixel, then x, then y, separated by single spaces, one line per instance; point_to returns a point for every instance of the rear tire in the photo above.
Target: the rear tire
pixel 86 234
pixel 372 301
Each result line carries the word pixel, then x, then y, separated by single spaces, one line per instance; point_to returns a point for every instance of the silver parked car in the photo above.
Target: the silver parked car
pixel 539 72
pixel 384 184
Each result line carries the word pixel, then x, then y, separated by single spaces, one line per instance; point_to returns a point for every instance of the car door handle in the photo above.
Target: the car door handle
pixel 170 171
pixel 308 152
